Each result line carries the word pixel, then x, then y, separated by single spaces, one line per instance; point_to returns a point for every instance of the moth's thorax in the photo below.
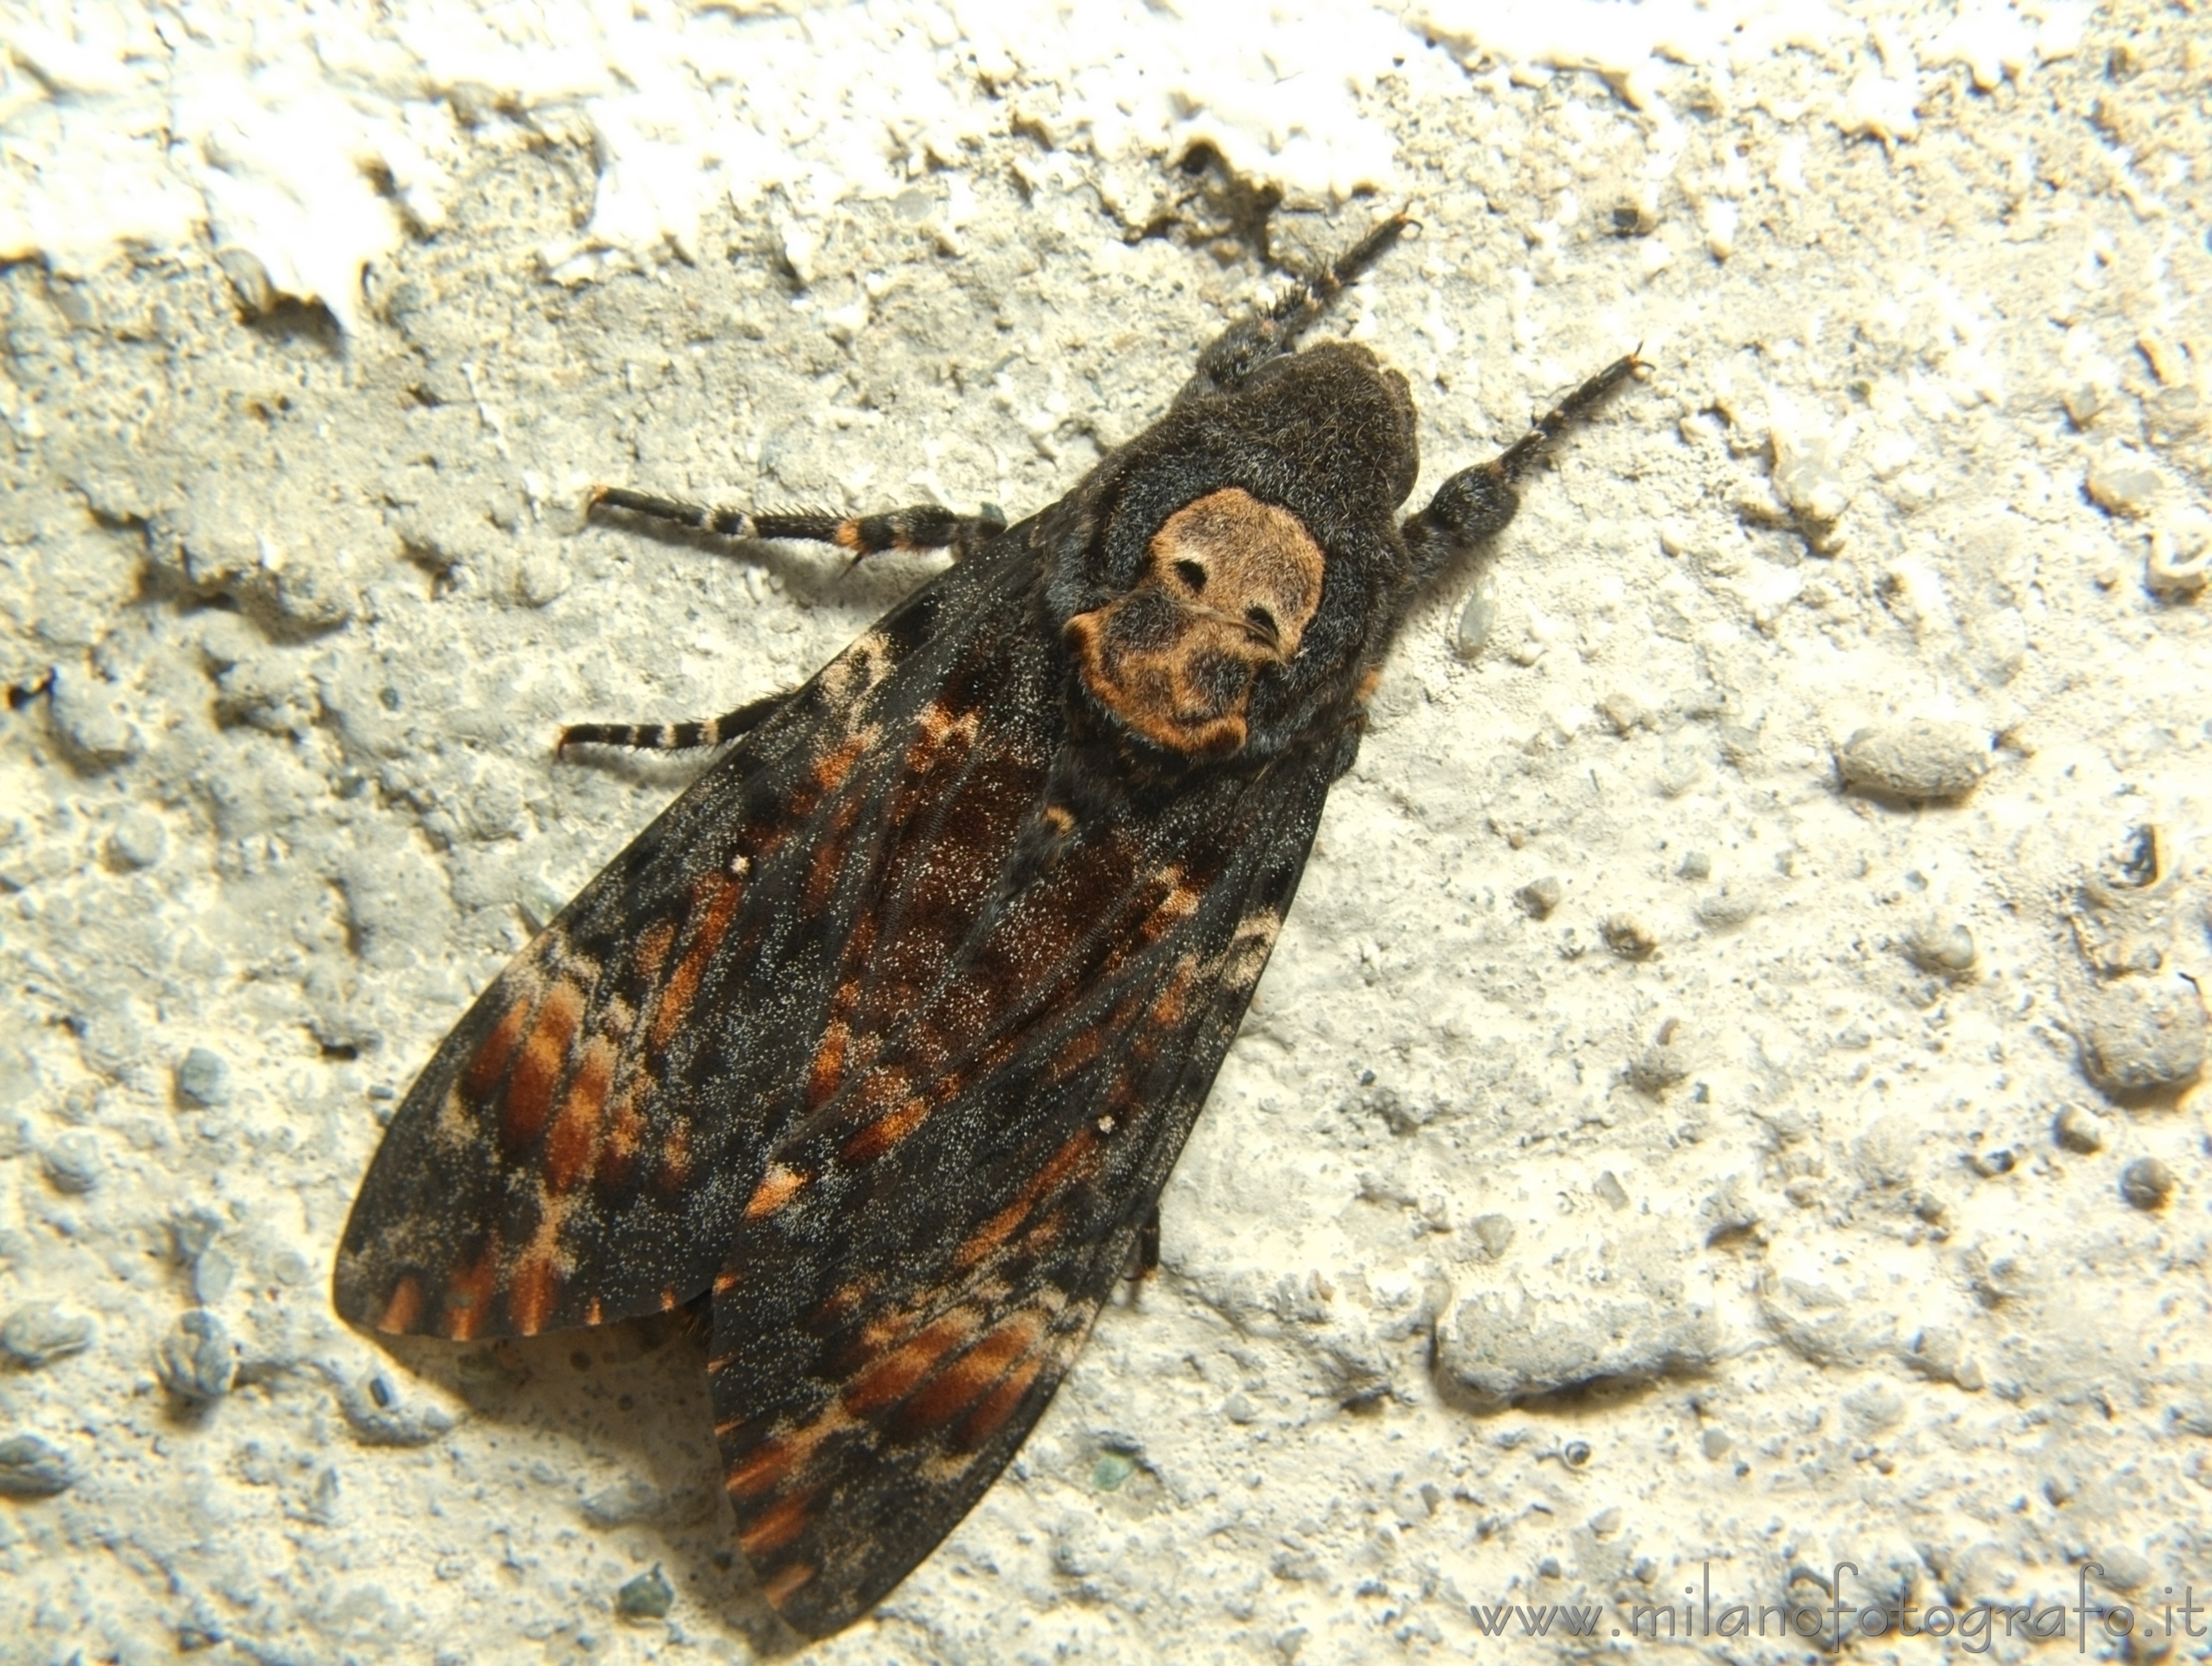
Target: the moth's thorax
pixel 1217 582
pixel 1228 586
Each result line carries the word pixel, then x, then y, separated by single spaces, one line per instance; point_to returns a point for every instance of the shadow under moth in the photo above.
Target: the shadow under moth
pixel 883 1038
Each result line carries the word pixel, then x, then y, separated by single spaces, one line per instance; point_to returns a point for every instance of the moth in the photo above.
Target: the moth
pixel 883 1039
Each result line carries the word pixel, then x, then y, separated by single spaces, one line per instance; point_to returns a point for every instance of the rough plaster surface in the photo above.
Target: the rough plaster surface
pixel 1813 1169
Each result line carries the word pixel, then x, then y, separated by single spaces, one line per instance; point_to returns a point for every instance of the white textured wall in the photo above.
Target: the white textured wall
pixel 295 603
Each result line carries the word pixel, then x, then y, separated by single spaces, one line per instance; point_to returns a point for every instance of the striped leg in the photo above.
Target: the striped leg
pixel 924 526
pixel 1243 347
pixel 1477 502
pixel 671 736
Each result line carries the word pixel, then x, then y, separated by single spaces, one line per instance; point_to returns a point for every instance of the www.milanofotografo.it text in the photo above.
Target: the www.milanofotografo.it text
pixel 2171 1612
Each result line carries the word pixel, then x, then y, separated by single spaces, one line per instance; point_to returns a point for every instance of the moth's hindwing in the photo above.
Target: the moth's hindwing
pixel 927 1249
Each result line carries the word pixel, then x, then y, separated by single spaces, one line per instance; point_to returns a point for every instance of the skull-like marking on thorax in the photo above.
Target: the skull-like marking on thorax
pixel 1228 589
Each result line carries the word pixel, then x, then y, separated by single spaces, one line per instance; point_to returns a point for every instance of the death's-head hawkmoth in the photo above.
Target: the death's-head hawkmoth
pixel 883 1038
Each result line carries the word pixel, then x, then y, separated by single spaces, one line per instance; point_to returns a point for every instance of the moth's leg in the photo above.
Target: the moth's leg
pixel 1243 347
pixel 672 737
pixel 1145 1252
pixel 924 526
pixel 1477 502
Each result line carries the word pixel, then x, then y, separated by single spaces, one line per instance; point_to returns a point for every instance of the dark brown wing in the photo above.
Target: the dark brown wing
pixel 583 1145
pixel 928 1248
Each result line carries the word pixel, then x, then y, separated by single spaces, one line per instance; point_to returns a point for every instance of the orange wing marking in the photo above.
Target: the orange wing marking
pixel 676 1159
pixel 778 1589
pixel 992 1412
pixel 898 1373
pixel 405 1306
pixel 771 1465
pixel 528 1100
pixel 715 900
pixel 886 1131
pixel 966 1379
pixel 653 944
pixel 1080 1151
pixel 777 1526
pixel 575 1137
pixel 532 1291
pixel 490 1060
pixel 777 1187
pixel 829 1066
pixel 469 1293
pixel 830 772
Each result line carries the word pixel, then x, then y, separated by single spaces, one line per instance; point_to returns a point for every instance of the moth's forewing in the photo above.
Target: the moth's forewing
pixel 581 1148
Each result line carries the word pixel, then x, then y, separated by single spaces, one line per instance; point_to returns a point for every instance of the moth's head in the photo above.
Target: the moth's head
pixel 1228 587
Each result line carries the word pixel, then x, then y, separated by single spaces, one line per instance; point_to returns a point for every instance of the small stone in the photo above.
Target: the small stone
pixel 1987 1165
pixel 1680 766
pixel 1728 1212
pixel 190 1233
pixel 1476 622
pixel 2180 555
pixel 1494 1232
pixel 540 579
pixel 1540 897
pixel 1715 1442
pixel 1609 1189
pixel 30 1469
pixel 1112 1470
pixel 1657 1068
pixel 72 1163
pixel 2141 1034
pixel 1726 907
pixel 2122 481
pixel 84 711
pixel 203 1079
pixel 1636 212
pixel 1821 1325
pixel 139 840
pixel 1923 760
pixel 2079 1129
pixel 40 1335
pixel 1940 1354
pixel 380 1418
pixel 2147 1184
pixel 1875 1407
pixel 1739 744
pixel 1809 478
pixel 213 1273
pixel 249 279
pixel 196 1361
pixel 1888 1151
pixel 1694 866
pixel 633 1498
pixel 1624 714
pixel 1628 937
pixel 1497 1349
pixel 649 1596
pixel 1941 948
